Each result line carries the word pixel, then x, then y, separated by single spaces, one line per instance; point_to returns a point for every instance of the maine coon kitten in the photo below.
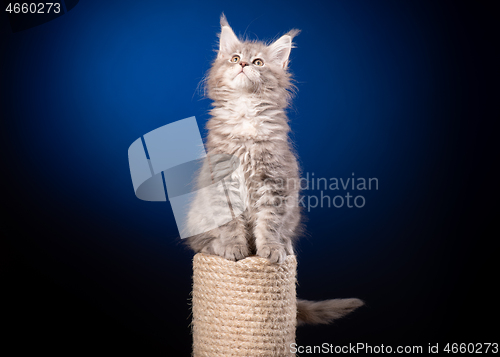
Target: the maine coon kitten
pixel 249 153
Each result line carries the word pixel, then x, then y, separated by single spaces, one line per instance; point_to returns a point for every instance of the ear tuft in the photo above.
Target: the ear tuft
pixel 223 20
pixel 293 32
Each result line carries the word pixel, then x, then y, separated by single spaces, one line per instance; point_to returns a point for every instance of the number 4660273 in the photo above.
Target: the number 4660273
pixel 33 8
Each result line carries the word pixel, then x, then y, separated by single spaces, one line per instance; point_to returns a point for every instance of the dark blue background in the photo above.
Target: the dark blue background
pixel 400 91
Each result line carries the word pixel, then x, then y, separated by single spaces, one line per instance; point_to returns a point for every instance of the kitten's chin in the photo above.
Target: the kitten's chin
pixel 241 81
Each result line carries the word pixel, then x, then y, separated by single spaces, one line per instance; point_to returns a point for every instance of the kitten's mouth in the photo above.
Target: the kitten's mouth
pixel 241 72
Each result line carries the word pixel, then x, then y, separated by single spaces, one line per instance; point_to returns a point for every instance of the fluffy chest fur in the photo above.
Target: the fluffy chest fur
pixel 246 120
pixel 257 134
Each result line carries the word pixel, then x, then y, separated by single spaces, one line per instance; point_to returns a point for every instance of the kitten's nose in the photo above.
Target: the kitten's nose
pixel 243 64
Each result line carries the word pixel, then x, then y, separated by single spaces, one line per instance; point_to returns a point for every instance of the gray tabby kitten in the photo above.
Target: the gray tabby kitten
pixel 249 151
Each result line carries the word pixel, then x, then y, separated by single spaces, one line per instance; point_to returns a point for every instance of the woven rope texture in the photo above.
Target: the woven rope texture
pixel 245 308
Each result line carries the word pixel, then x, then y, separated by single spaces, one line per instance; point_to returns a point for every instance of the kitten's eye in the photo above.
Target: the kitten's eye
pixel 258 62
pixel 235 59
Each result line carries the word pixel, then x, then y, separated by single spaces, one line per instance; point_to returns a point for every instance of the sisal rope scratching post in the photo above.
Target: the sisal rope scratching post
pixel 245 308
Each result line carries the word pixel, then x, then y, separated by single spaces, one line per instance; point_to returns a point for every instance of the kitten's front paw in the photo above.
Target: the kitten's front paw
pixel 233 251
pixel 275 253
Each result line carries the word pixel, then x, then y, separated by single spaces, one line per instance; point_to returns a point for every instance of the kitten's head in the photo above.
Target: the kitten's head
pixel 249 66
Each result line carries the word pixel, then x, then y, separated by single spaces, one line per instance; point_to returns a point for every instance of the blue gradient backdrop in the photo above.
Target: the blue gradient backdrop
pixel 395 90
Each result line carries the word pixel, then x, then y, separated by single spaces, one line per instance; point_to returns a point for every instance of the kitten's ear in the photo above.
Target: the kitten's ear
pixel 280 49
pixel 227 38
